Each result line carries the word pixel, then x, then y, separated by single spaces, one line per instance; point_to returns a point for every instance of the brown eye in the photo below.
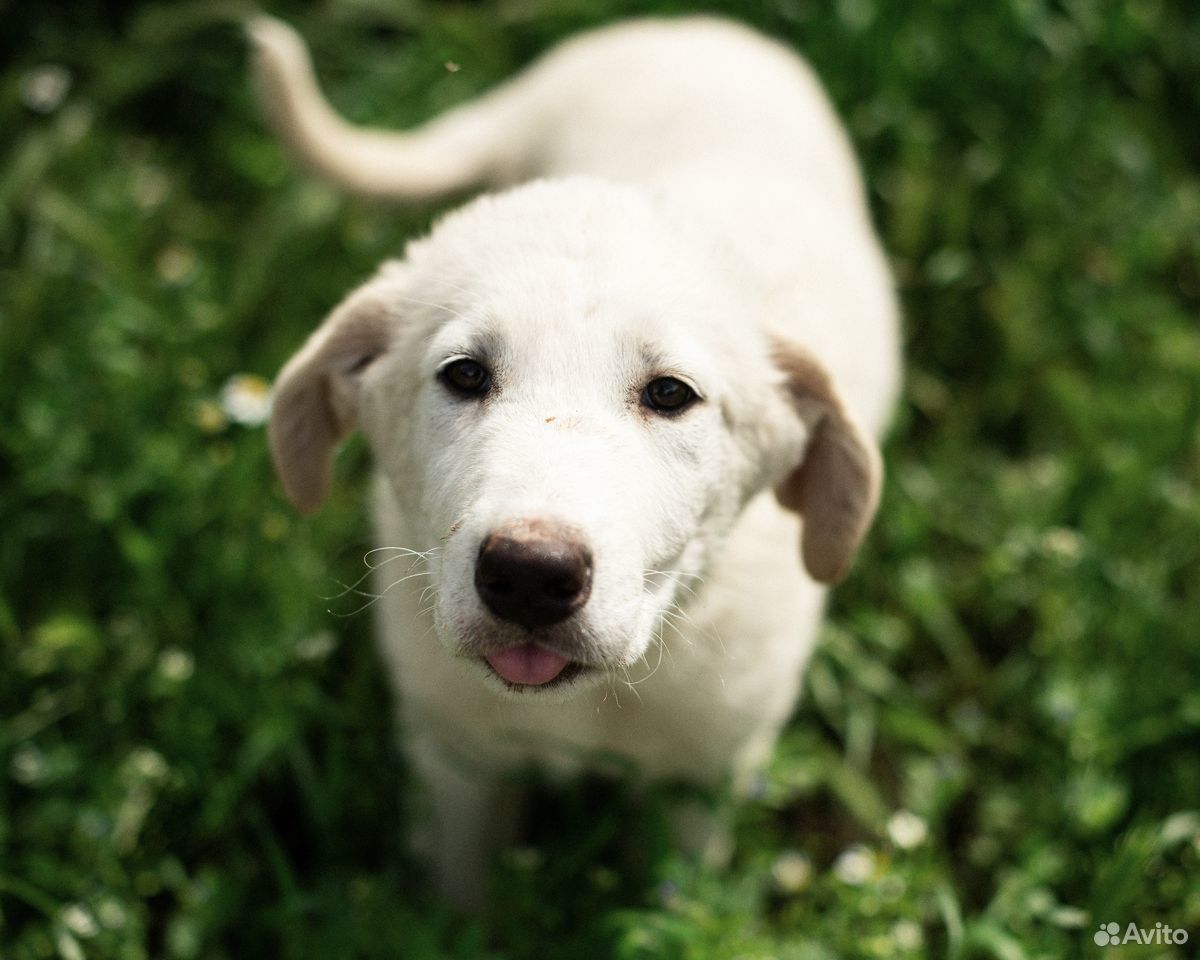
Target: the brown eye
pixel 466 377
pixel 667 395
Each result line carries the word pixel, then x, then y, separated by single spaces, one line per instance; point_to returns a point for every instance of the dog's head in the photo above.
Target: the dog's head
pixel 570 400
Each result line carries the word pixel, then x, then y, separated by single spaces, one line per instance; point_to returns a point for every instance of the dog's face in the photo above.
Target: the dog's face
pixel 571 406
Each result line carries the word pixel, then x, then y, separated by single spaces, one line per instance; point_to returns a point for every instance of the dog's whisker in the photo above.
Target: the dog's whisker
pixel 631 684
pixel 353 587
pixel 346 588
pixel 432 588
pixel 679 633
pixel 666 646
pixel 674 579
pixel 398 552
pixel 675 573
pixel 661 646
pixel 442 281
pixel 356 611
pixel 625 668
pixel 383 592
pixel 411 576
pixel 431 303
pixel 428 631
pixel 676 615
pixel 374 597
pixel 672 620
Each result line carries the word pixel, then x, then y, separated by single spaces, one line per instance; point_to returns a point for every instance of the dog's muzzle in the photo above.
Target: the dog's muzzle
pixel 533 573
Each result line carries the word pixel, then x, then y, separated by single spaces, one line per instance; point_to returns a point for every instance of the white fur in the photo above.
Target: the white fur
pixel 689 207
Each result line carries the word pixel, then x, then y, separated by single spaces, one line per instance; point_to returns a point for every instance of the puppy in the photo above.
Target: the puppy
pixel 624 409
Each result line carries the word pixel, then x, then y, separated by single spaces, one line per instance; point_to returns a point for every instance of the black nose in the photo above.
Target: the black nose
pixel 534 572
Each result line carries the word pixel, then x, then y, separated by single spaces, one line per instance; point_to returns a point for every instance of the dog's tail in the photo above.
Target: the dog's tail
pixel 470 146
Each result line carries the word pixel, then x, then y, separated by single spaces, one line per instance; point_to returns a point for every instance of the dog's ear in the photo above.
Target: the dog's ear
pixel 836 486
pixel 315 402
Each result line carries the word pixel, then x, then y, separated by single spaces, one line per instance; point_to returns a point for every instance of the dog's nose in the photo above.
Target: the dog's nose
pixel 534 572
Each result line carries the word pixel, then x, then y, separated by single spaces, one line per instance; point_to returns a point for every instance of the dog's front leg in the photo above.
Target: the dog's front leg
pixel 468 815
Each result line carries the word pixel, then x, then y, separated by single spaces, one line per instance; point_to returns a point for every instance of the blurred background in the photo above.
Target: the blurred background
pixel 999 746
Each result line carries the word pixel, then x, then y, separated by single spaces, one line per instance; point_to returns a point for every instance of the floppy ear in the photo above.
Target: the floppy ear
pixel 314 404
pixel 836 487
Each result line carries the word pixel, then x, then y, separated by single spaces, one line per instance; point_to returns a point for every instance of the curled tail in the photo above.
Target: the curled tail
pixel 478 143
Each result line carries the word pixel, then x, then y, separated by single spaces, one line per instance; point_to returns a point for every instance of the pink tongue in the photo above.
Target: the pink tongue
pixel 528 664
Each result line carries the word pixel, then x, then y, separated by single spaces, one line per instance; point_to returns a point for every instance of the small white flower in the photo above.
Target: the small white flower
pixel 1070 918
pixel 79 920
pixel 28 765
pixel 175 664
pixel 907 935
pixel 791 871
pixel 44 88
pixel 855 865
pixel 246 399
pixel 175 263
pixel 1063 543
pixel 907 830
pixel 68 947
pixel 147 764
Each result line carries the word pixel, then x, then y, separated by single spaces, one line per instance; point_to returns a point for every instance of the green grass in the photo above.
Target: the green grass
pixel 196 756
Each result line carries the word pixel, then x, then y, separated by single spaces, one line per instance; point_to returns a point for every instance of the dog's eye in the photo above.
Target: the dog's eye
pixel 667 395
pixel 470 378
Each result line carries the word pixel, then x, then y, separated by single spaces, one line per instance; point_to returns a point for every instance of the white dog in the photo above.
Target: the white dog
pixel 607 406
